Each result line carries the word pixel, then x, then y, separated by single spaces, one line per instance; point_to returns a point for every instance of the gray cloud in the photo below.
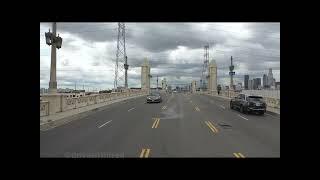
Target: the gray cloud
pixel 252 55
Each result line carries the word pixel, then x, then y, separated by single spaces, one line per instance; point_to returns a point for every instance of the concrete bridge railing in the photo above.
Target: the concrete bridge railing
pixel 56 103
pixel 270 101
pixel 44 108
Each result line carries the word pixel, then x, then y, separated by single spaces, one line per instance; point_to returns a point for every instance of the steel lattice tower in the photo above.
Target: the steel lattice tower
pixel 231 73
pixel 205 73
pixel 121 67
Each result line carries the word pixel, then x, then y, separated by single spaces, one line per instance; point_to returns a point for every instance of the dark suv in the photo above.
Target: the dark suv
pixel 248 103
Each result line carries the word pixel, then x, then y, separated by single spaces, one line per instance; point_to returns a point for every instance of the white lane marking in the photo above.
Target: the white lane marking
pixel 242 117
pixel 222 107
pixel 131 109
pixel 104 124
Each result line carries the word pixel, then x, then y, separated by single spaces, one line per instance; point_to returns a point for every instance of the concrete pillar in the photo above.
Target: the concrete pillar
pixel 193 86
pixel 55 102
pixel 145 75
pixel 53 71
pixel 212 84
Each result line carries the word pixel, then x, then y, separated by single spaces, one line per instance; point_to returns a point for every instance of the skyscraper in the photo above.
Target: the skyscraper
pixel 257 83
pixel 246 81
pixel 265 79
pixel 270 78
pixel 250 84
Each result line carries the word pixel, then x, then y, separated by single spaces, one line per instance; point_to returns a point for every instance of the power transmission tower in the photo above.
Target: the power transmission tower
pixel 157 82
pixel 121 67
pixel 231 73
pixel 205 73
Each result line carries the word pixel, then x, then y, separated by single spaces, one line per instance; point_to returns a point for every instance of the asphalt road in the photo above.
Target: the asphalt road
pixel 182 125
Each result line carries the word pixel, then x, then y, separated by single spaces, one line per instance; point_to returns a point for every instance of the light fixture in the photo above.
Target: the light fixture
pixel 58 42
pixel 48 37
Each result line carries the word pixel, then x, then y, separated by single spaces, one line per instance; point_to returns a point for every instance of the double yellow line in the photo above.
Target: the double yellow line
pixel 164 107
pixel 197 109
pixel 156 122
pixel 238 155
pixel 145 153
pixel 212 127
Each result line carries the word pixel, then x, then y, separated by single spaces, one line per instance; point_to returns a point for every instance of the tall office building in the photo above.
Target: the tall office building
pixel 270 78
pixel 257 83
pixel 250 84
pixel 265 81
pixel 246 81
pixel 254 83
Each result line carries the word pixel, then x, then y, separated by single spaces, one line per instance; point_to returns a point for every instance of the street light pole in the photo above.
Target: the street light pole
pixel 53 77
pixel 55 42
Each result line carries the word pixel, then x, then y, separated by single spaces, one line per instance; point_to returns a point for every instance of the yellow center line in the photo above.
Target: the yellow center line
pixel 147 153
pixel 156 122
pixel 210 126
pixel 142 152
pixel 213 126
pixel 235 154
pixel 239 155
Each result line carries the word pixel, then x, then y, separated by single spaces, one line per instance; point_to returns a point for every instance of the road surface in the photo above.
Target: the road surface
pixel 183 125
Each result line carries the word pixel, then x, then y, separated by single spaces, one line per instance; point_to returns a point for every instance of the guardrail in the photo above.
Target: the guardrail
pixel 56 103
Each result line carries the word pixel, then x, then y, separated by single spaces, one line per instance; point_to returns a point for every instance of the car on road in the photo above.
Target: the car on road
pixel 154 97
pixel 248 103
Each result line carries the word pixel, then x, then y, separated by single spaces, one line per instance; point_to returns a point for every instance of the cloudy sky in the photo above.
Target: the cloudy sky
pixel 175 52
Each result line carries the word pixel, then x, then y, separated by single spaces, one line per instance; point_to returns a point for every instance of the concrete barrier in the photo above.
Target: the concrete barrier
pixel 44 108
pixel 57 103
pixel 270 101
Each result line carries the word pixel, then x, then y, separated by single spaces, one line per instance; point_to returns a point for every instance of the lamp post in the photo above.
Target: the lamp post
pixel 55 42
